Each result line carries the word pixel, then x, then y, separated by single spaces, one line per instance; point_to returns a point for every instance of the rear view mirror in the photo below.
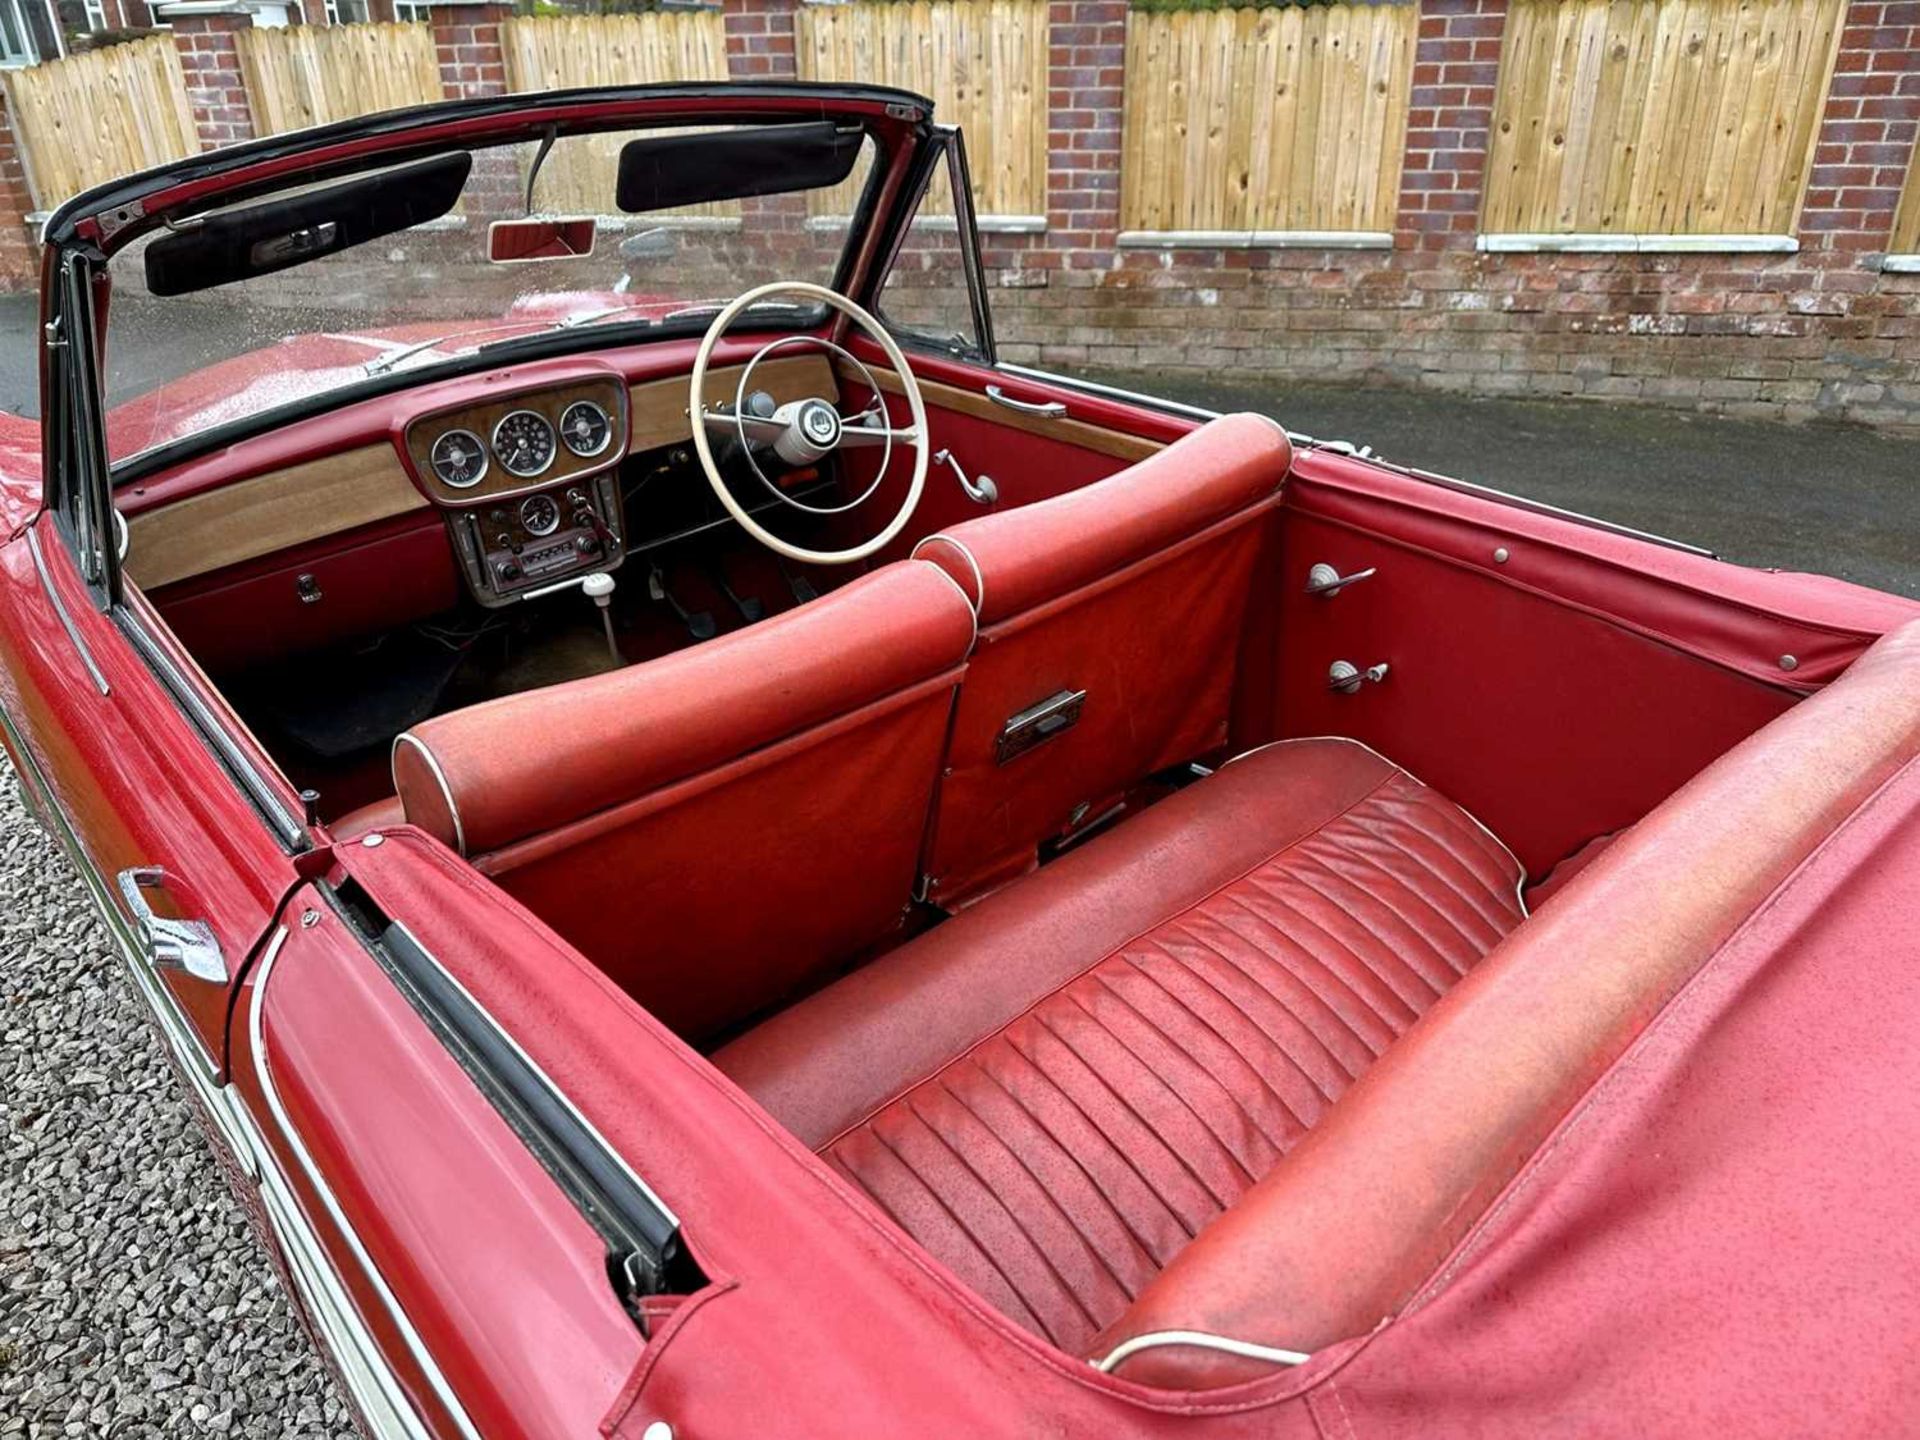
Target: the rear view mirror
pixel 239 244
pixel 515 242
pixel 675 171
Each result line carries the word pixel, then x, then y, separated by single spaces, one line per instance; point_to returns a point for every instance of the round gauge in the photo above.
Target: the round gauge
pixel 523 442
pixel 539 515
pixel 585 428
pixel 459 459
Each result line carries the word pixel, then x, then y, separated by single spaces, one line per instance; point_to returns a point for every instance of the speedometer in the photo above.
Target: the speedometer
pixel 523 442
pixel 459 459
pixel 585 428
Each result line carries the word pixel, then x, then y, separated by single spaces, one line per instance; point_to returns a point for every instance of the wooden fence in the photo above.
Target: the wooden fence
pixel 1271 119
pixel 305 75
pixel 1658 117
pixel 983 63
pixel 1906 225
pixel 561 53
pixel 100 115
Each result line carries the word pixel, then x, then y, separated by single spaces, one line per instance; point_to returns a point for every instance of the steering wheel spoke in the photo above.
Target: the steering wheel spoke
pixel 753 427
pixel 856 436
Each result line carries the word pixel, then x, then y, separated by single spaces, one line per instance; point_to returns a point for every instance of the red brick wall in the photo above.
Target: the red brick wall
pixel 760 39
pixel 1867 134
pixel 1456 66
pixel 467 39
pixel 215 89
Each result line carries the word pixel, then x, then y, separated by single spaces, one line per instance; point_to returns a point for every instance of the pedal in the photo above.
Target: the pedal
pixel 700 623
pixel 801 587
pixel 749 606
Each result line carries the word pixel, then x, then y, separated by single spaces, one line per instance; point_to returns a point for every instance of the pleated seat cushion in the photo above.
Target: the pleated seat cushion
pixel 1057 1090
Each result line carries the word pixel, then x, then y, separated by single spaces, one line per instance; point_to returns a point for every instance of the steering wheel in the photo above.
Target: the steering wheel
pixel 802 432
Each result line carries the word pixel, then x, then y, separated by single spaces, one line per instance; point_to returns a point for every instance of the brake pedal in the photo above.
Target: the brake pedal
pixel 700 623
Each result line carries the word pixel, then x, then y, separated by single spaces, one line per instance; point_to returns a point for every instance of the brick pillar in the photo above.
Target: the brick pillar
pixel 205 32
pixel 466 34
pixel 1086 86
pixel 760 39
pixel 1867 134
pixel 19 246
pixel 1456 70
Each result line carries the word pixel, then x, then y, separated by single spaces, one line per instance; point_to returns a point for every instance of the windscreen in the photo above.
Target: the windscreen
pixel 292 296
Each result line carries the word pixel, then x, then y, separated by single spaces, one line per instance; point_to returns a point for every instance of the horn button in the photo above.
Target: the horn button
pixel 813 429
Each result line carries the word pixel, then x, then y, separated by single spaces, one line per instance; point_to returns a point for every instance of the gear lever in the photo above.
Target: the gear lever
pixel 598 587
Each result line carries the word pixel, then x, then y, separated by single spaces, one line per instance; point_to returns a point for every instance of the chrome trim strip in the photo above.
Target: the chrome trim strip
pixel 1445 482
pixel 60 609
pixel 534 1069
pixel 388 1386
pixel 1114 392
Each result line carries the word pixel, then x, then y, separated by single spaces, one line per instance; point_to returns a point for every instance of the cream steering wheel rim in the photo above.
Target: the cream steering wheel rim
pixel 916 408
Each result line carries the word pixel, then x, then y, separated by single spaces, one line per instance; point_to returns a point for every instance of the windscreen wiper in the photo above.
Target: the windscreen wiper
pixel 690 312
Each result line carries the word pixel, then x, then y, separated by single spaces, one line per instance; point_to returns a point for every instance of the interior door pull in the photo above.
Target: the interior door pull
pixel 171 944
pixel 1047 409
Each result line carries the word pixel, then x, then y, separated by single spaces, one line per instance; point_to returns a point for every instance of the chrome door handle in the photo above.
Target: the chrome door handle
pixel 171 944
pixel 1046 409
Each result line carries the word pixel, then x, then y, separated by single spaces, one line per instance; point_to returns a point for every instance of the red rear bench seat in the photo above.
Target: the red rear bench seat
pixel 1055 1091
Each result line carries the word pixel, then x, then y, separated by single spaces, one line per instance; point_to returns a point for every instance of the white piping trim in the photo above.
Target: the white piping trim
pixel 256 1035
pixel 440 777
pixel 979 580
pixel 1519 889
pixel 1200 1340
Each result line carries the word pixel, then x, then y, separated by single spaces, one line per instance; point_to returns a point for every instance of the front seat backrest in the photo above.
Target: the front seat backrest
pixel 1110 623
pixel 716 827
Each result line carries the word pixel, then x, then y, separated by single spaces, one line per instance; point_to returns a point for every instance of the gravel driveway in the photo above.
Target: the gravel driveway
pixel 134 1300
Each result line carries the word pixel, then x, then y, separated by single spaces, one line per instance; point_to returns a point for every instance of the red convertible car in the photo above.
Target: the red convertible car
pixel 722 864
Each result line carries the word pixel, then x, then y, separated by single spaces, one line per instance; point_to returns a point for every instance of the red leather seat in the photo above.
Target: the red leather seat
pixel 1133 590
pixel 715 827
pixel 1119 1099
pixel 1057 1090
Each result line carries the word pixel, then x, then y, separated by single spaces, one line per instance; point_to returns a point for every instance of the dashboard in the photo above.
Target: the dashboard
pixel 528 482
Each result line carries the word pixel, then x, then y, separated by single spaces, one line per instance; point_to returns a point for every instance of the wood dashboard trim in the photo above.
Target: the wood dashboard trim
pixel 659 407
pixel 268 513
pixel 1079 433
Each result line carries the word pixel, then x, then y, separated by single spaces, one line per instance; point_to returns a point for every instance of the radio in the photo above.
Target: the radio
pixel 512 546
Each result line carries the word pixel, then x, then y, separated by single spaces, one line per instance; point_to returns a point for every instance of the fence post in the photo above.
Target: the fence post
pixel 760 41
pixel 466 35
pixel 19 247
pixel 1086 88
pixel 205 33
pixel 1867 134
pixel 1456 75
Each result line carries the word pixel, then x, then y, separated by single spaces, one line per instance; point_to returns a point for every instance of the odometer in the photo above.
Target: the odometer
pixel 523 442
pixel 459 459
pixel 585 429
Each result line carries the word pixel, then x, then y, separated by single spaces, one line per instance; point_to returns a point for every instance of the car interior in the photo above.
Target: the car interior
pixel 1054 870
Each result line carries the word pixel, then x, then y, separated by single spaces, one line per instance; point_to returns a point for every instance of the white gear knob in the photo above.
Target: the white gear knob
pixel 598 587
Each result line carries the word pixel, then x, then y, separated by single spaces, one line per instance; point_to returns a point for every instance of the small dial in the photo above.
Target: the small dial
pixel 585 428
pixel 523 442
pixel 539 515
pixel 459 459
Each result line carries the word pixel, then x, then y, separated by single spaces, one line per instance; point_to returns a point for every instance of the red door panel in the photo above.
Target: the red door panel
pixel 135 787
pixel 1555 679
